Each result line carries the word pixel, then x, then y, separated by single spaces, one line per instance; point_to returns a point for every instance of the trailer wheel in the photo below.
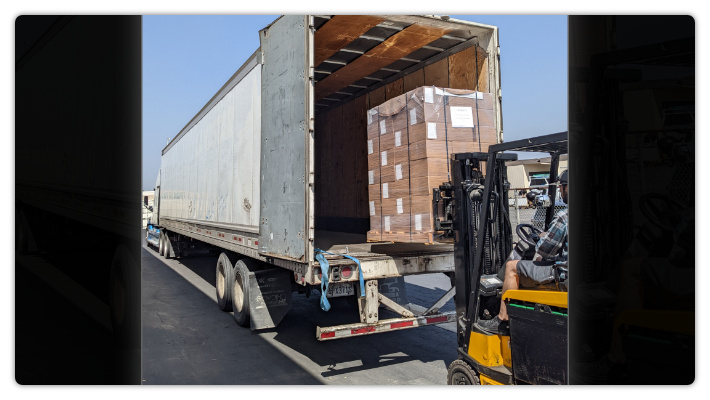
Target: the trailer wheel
pixel 224 282
pixel 460 373
pixel 161 243
pixel 240 290
pixel 167 246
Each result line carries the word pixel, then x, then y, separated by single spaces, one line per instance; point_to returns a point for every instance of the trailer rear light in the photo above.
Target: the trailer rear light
pixel 346 272
pixel 366 329
pixel 401 324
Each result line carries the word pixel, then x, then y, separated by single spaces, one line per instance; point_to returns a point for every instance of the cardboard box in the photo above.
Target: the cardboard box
pixel 388 173
pixel 400 207
pixel 393 190
pixel 401 138
pixel 386 141
pixel 373 129
pixel 446 131
pixel 430 167
pixel 373 176
pixel 440 149
pixel 374 193
pixel 373 146
pixel 434 104
pixel 395 223
pixel 423 185
pixel 410 142
pixel 401 171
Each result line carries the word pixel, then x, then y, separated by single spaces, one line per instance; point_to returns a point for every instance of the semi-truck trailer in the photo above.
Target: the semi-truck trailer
pixel 272 171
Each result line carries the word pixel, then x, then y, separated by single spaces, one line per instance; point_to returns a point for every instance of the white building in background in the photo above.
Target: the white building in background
pixel 520 172
pixel 148 196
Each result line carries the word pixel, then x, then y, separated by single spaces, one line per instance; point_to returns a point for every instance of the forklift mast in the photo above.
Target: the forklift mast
pixel 482 232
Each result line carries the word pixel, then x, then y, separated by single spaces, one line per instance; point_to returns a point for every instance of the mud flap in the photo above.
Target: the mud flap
pixel 395 289
pixel 269 297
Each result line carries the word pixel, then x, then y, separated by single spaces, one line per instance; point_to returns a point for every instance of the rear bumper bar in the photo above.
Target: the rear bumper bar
pixel 387 325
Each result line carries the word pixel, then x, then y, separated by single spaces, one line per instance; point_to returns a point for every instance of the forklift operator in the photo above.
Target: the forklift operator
pixel 551 248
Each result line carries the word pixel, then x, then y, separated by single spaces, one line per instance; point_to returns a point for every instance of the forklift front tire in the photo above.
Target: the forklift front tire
pixel 460 373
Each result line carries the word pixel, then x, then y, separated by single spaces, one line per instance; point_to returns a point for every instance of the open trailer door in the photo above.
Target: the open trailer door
pixel 286 223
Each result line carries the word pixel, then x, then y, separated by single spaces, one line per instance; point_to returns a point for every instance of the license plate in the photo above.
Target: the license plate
pixel 340 289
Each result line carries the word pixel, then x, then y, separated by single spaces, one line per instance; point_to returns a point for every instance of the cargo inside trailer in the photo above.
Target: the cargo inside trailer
pixel 361 62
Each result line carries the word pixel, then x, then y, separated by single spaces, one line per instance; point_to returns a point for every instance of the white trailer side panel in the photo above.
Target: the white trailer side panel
pixel 211 172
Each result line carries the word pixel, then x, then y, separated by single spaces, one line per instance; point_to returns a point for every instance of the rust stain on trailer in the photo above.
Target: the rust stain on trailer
pixel 427 262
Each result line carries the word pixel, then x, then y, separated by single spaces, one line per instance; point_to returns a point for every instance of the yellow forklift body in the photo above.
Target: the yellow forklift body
pixel 490 350
pixel 550 298
pixel 488 381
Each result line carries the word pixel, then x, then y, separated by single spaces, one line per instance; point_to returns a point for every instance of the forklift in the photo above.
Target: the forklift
pixel 532 347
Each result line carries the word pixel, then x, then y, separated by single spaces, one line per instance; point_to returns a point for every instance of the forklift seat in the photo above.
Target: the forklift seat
pixel 560 283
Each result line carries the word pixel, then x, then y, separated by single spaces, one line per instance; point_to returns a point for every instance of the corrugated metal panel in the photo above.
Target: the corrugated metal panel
pixel 211 174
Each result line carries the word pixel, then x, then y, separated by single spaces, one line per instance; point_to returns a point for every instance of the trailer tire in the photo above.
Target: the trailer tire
pixel 224 281
pixel 240 290
pixel 161 243
pixel 167 246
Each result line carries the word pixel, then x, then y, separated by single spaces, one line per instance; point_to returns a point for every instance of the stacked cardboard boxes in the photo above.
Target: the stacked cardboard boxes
pixel 410 139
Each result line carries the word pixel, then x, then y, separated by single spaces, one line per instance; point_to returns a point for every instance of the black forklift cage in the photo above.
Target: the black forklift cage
pixel 555 144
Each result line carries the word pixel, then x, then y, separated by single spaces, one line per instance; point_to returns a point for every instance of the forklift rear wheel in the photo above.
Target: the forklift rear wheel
pixel 460 373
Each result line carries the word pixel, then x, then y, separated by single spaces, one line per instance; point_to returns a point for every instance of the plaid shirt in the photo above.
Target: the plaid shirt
pixel 553 243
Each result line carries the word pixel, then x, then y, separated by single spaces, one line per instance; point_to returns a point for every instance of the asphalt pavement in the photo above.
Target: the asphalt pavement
pixel 188 340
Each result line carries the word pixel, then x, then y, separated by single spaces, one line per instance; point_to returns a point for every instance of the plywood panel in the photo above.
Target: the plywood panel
pixel 336 162
pixel 348 135
pixel 462 74
pixel 392 49
pixel 437 74
pixel 377 97
pixel 461 69
pixel 322 160
pixel 338 32
pixel 413 80
pixel 360 143
pixel 394 89
pixel 483 76
pixel 341 151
